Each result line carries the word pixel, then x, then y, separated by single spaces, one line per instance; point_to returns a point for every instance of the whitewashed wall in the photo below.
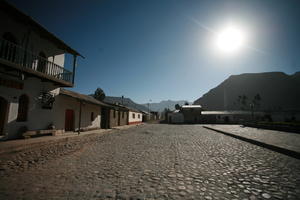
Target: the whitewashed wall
pixel 63 102
pixel 135 120
pixel 37 117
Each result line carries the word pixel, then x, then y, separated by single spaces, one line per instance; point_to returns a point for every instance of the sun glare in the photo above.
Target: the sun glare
pixel 230 40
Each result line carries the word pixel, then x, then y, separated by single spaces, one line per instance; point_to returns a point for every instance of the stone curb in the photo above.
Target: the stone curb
pixel 278 149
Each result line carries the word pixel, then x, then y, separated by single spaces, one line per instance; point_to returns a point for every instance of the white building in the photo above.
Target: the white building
pixel 32 69
pixel 134 116
pixel 73 111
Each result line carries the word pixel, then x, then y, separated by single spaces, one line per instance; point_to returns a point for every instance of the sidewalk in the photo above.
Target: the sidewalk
pixel 11 146
pixel 283 142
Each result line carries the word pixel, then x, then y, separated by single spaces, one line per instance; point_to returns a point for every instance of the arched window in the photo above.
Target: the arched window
pixel 8 48
pixel 23 108
pixel 42 62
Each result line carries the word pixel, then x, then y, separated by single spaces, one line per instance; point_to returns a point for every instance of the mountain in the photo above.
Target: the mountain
pixel 278 91
pixel 159 107
pixel 126 102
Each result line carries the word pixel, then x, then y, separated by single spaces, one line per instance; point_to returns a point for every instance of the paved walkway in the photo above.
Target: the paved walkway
pixel 285 140
pixel 23 144
pixel 154 161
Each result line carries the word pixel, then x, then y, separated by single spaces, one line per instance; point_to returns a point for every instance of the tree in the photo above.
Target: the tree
pixel 177 107
pixel 99 94
pixel 256 101
pixel 242 101
pixel 186 103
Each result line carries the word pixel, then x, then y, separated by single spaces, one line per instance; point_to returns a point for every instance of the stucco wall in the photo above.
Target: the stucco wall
pixel 64 102
pixel 136 119
pixel 123 118
pixel 118 120
pixel 37 117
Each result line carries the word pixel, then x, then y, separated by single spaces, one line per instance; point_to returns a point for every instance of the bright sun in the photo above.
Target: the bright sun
pixel 230 40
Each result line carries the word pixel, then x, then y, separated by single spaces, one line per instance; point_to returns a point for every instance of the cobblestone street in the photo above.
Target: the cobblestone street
pixel 152 161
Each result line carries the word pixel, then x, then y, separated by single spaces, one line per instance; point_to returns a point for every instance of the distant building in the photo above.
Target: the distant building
pixel 32 70
pixel 194 114
pixel 191 113
pixel 154 115
pixel 175 117
pixel 134 116
pixel 116 115
pixel 229 116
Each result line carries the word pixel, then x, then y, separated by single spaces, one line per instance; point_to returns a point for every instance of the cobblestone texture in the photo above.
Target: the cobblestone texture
pixel 281 139
pixel 151 162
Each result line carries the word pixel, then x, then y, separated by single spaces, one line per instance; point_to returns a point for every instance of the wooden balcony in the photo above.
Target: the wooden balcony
pixel 18 58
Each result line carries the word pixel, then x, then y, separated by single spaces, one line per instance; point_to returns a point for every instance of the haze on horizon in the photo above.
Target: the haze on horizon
pixel 162 50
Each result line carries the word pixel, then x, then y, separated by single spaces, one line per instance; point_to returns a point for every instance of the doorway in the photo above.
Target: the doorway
pixel 3 112
pixel 105 118
pixel 69 120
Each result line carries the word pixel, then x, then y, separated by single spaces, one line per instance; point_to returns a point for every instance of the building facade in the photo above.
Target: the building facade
pixel 118 116
pixel 191 113
pixel 32 70
pixel 134 117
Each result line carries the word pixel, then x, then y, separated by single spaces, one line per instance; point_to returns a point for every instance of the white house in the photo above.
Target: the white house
pixel 32 70
pixel 73 111
pixel 134 116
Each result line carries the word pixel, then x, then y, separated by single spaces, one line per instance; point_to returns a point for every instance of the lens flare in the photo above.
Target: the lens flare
pixel 230 40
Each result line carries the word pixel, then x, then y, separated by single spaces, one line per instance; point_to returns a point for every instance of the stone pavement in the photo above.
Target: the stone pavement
pixel 152 162
pixel 23 144
pixel 285 140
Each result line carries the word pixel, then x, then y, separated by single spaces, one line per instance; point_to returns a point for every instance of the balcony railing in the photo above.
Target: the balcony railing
pixel 19 56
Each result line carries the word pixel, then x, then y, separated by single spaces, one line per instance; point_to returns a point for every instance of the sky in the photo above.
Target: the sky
pixel 154 50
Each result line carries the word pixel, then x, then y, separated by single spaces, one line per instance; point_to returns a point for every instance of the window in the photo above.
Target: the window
pixel 123 114
pixel 138 115
pixel 114 113
pixel 92 116
pixel 23 108
pixel 133 115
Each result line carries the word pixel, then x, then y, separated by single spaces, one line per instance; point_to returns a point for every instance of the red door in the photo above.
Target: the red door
pixel 69 120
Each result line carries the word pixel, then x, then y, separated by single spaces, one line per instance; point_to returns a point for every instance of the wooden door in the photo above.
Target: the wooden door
pixel 69 120
pixel 3 111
